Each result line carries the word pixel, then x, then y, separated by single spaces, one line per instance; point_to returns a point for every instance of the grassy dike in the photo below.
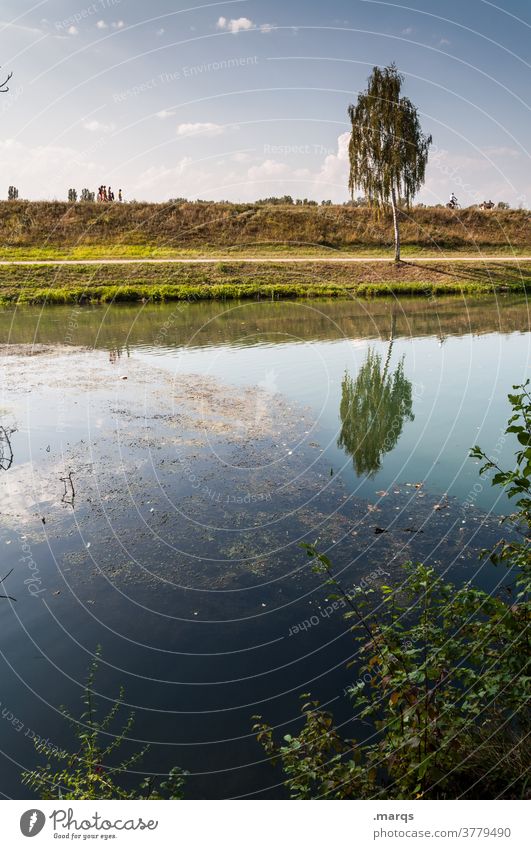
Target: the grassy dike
pixel 64 284
pixel 60 230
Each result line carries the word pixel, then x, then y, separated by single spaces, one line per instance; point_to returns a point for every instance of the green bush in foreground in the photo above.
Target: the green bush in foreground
pixel 92 771
pixel 445 687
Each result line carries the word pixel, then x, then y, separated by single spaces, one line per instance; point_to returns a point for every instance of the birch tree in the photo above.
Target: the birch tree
pixel 388 151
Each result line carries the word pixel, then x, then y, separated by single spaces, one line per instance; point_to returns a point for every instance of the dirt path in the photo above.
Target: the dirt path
pixel 265 260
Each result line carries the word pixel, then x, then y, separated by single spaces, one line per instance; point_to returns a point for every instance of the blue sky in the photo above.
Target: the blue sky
pixel 248 99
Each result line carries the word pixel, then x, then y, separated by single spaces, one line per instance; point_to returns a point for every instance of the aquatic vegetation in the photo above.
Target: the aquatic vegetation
pixel 93 769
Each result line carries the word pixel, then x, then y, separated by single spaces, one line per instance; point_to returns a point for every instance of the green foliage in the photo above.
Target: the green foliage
pixel 388 152
pixel 515 554
pixel 285 200
pixel 72 195
pixel 318 762
pixel 92 771
pixel 373 410
pixel 446 684
pixel 63 286
pixel 12 193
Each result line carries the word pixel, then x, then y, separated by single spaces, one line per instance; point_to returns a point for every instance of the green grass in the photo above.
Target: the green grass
pixel 129 251
pixel 155 294
pixel 35 284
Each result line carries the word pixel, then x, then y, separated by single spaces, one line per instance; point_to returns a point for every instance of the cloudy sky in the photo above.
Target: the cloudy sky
pixel 249 98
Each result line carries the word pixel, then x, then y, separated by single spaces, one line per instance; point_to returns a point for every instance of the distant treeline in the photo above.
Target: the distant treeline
pixel 288 200
pixel 86 195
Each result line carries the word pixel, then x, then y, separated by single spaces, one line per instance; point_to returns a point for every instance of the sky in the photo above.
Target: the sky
pixel 247 99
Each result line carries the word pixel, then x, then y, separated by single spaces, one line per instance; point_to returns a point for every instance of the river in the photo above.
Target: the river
pixel 161 465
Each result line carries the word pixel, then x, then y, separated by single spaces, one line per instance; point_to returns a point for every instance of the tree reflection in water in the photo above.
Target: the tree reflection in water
pixel 373 410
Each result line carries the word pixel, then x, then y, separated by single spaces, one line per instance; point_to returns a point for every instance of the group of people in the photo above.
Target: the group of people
pixel 106 194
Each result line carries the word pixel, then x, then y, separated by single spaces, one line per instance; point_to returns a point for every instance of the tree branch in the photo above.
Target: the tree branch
pixel 4 86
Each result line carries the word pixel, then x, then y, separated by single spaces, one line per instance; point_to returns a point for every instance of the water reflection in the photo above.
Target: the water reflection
pixel 184 541
pixel 373 410
pixel 125 327
pixel 6 451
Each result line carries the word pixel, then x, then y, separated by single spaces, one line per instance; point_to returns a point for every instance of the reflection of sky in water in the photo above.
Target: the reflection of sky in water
pixel 459 398
pixel 194 621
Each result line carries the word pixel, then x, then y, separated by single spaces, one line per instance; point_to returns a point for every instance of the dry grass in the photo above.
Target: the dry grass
pixel 38 230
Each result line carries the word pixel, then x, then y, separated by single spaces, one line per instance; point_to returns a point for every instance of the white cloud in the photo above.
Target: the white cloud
pixel 102 25
pixel 235 25
pixel 450 163
pixel 443 42
pixel 328 180
pixel 118 24
pixel 98 127
pixel 165 113
pixel 204 129
pixel 266 28
pixel 157 181
pixel 473 178
pixel 407 31
pixel 504 152
pixel 270 169
pixel 161 31
pixel 334 170
pixel 73 30
pixel 244 176
pixel 46 171
pixel 273 177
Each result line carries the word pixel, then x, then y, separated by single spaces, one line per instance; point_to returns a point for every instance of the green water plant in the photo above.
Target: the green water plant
pixel 94 769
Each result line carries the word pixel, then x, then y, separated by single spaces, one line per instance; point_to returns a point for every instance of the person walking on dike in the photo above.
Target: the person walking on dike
pixel 120 196
pixel 110 195
pixel 453 201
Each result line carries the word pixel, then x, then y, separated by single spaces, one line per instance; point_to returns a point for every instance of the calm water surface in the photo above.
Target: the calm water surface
pixel 180 554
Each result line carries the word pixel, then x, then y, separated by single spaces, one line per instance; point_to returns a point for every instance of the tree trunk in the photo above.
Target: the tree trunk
pixel 395 225
pixel 391 343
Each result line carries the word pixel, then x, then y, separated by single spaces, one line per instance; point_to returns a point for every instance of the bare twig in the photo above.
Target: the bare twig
pixel 6 451
pixel 69 494
pixel 4 86
pixel 10 597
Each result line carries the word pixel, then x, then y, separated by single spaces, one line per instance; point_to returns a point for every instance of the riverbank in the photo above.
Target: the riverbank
pixel 60 230
pixel 104 283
